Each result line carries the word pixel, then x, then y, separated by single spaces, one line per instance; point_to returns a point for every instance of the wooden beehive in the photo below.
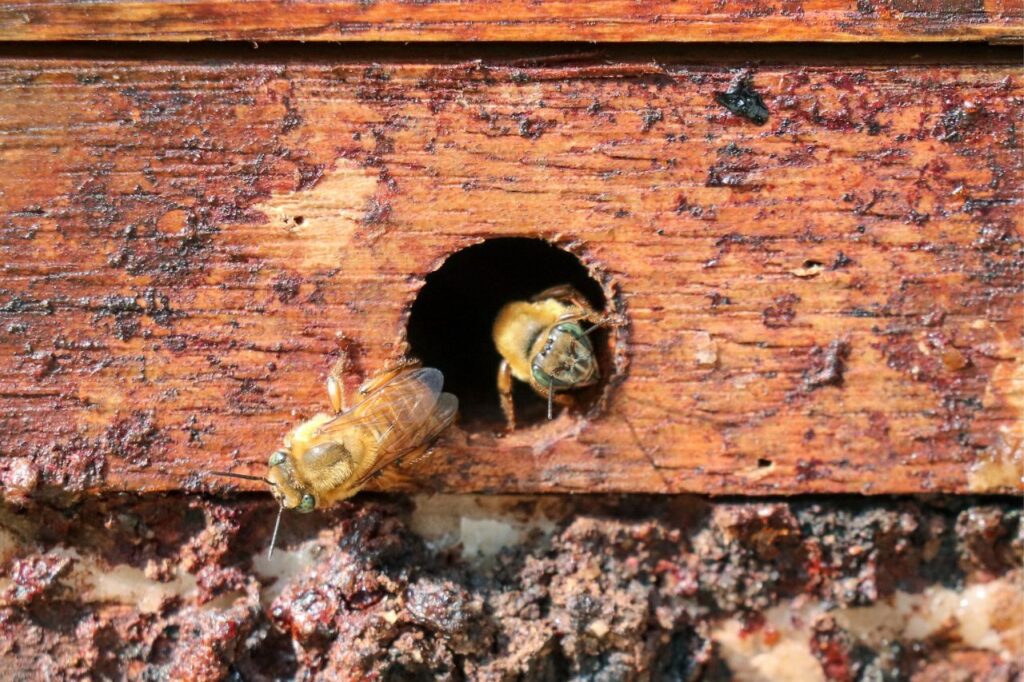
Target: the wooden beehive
pixel 804 217
pixel 825 301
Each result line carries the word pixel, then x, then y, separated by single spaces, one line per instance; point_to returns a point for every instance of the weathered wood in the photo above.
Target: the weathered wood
pixel 830 302
pixel 505 20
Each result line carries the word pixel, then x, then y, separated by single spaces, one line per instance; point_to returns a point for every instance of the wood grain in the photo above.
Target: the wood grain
pixel 516 20
pixel 830 302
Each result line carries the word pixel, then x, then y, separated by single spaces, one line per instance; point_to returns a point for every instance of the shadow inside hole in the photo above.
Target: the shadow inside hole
pixel 451 318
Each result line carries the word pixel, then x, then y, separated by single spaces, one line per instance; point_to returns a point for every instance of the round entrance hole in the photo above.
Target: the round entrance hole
pixel 451 318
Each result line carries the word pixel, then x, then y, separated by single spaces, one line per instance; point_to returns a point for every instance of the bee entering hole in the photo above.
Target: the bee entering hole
pixel 452 326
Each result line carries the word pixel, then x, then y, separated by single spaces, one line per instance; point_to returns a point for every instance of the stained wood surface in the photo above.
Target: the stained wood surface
pixel 516 20
pixel 829 302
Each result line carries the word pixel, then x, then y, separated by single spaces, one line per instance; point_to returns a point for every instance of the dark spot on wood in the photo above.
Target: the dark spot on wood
pixel 735 167
pixel 127 311
pixel 841 261
pixel 286 287
pixel 378 212
pixel 21 305
pixel 309 175
pixel 650 116
pixel 292 118
pixel 195 432
pixel 742 100
pixel 861 312
pixel 781 313
pixel 145 249
pixel 828 366
pixel 132 438
pixel 530 128
pixel 718 299
pixel 48 364
pixel 376 72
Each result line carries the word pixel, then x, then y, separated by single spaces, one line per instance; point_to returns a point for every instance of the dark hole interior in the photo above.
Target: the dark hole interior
pixel 451 318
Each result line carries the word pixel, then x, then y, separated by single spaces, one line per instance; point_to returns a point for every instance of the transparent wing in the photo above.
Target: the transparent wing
pixel 399 416
pixel 440 418
pixel 407 399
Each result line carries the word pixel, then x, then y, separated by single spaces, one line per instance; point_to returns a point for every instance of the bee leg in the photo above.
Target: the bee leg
pixel 505 394
pixel 574 298
pixel 596 320
pixel 336 385
pixel 563 292
pixel 383 377
pixel 565 400
pixel 611 321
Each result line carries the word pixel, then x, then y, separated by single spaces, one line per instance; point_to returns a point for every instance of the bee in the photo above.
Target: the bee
pixel 331 457
pixel 542 342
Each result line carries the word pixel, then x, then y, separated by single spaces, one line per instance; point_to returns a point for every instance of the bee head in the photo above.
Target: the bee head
pixel 566 360
pixel 290 492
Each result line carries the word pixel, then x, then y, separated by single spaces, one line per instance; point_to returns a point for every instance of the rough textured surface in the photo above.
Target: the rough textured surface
pixel 489 20
pixel 828 301
pixel 818 260
pixel 634 588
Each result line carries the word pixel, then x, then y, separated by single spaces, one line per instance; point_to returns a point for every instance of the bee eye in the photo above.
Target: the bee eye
pixel 542 377
pixel 572 329
pixel 307 504
pixel 278 458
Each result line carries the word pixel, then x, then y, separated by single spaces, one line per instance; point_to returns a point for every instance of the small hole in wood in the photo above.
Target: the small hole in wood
pixel 451 318
pixel 763 463
pixel 298 220
pixel 809 268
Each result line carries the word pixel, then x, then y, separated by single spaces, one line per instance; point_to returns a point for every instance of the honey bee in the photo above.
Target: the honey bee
pixel 331 457
pixel 542 342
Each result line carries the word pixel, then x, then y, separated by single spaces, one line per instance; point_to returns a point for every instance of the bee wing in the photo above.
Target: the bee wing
pixel 413 437
pixel 407 397
pixel 401 415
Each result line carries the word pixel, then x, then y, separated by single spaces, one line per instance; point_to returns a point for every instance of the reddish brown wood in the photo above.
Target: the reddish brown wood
pixel 487 20
pixel 187 246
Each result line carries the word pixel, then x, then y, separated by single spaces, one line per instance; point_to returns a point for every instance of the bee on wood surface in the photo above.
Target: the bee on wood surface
pixel 542 342
pixel 331 457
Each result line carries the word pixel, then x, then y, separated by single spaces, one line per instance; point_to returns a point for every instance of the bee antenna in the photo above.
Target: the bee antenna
pixel 551 397
pixel 597 325
pixel 244 477
pixel 273 537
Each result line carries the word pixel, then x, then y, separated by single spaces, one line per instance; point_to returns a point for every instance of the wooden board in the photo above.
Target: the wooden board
pixel 830 302
pixel 516 20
